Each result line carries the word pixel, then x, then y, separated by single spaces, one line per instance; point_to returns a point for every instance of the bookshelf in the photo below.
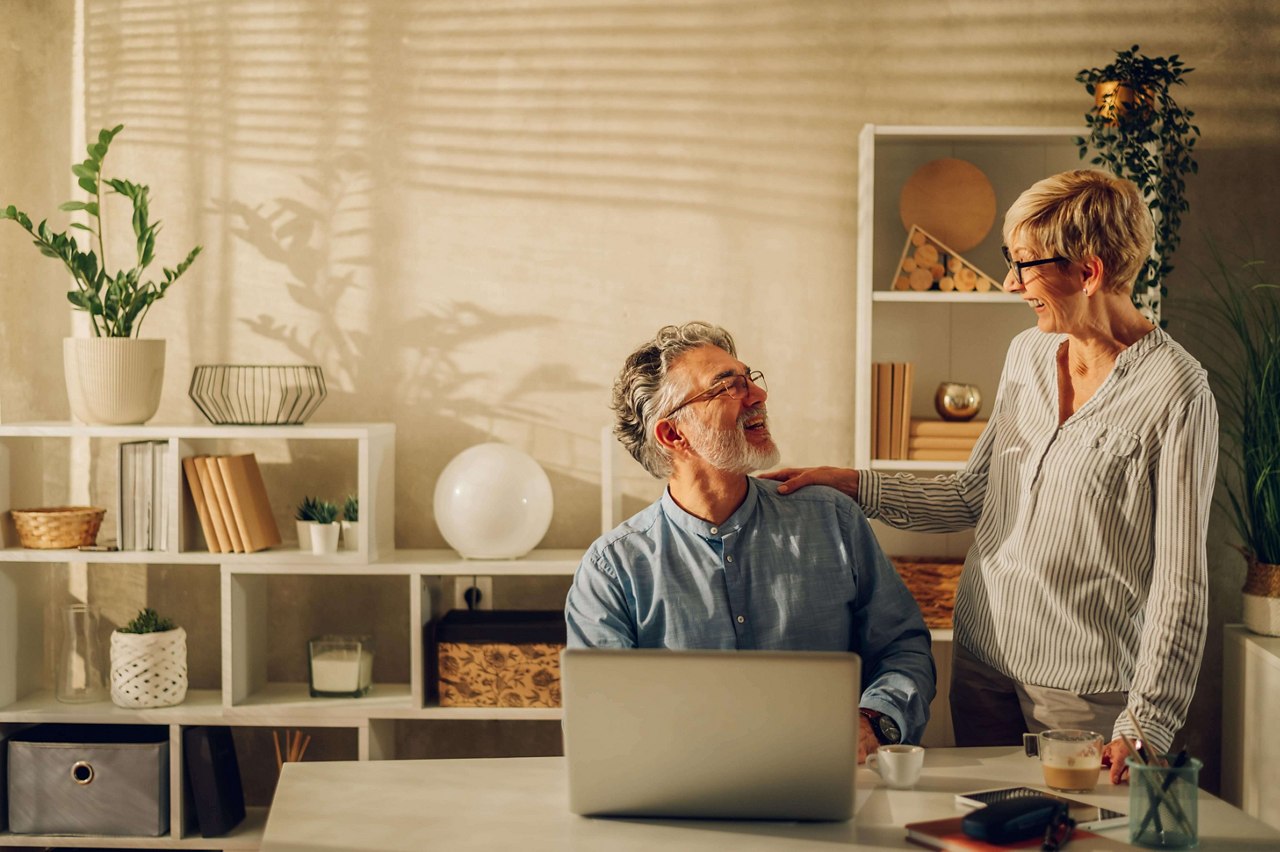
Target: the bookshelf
pixel 249 696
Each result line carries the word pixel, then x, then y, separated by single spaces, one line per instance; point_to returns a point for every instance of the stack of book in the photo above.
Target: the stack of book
pixel 231 502
pixel 943 440
pixel 890 409
pixel 143 505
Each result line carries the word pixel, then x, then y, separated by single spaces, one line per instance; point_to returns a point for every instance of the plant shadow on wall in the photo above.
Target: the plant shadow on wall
pixel 411 368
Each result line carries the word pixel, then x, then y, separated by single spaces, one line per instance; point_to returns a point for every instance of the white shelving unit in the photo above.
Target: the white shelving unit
pixel 948 336
pixel 247 697
pixel 1250 695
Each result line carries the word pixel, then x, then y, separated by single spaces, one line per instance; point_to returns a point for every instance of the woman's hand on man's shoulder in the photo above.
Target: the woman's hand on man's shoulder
pixel 840 478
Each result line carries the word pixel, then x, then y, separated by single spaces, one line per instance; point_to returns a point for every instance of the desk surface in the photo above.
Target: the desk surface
pixel 522 803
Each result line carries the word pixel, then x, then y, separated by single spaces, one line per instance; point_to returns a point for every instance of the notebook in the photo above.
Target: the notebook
pixel 711 734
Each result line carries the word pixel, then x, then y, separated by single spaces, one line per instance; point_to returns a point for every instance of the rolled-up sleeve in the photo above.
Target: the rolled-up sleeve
pixel 1173 633
pixel 889 634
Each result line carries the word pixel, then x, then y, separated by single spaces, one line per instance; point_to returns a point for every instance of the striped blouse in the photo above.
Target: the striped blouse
pixel 1088 569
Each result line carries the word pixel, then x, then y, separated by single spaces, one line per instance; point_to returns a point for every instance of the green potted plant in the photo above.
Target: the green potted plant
pixel 149 662
pixel 1139 132
pixel 324 532
pixel 305 516
pixel 1243 322
pixel 117 302
pixel 351 523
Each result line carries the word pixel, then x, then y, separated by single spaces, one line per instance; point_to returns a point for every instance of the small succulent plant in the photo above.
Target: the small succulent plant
pixel 148 621
pixel 351 509
pixel 307 509
pixel 325 512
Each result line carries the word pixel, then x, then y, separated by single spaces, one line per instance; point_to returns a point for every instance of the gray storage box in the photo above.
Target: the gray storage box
pixel 90 779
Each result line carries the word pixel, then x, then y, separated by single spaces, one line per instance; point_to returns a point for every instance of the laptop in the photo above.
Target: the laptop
pixel 711 734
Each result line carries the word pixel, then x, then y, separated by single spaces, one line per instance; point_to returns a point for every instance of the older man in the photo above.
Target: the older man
pixel 721 561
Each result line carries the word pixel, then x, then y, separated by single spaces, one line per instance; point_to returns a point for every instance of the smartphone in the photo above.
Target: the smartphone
pixel 1087 816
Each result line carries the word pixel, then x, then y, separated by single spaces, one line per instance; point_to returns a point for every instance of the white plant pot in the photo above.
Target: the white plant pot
pixel 149 669
pixel 324 538
pixel 304 533
pixel 350 535
pixel 1262 615
pixel 113 381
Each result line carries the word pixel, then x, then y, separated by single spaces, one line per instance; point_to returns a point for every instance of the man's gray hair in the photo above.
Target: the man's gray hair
pixel 642 393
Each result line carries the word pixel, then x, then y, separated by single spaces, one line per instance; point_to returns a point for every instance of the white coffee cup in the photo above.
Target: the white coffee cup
pixel 897 765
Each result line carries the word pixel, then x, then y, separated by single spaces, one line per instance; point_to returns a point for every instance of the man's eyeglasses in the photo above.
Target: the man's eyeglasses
pixel 1058 831
pixel 735 386
pixel 1018 265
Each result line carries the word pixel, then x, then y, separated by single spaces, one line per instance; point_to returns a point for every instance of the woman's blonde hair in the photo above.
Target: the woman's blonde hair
pixel 1086 213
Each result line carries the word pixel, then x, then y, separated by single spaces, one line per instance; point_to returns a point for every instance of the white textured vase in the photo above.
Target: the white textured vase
pixel 113 381
pixel 149 669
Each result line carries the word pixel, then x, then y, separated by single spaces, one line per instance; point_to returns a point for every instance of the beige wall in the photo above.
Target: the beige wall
pixel 468 213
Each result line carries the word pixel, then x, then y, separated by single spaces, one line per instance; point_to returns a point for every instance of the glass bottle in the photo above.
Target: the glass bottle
pixel 80 670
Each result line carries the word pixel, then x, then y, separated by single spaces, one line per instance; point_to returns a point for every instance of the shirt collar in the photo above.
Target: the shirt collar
pixel 712 532
pixel 1149 342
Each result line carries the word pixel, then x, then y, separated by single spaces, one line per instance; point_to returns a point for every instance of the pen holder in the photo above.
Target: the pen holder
pixel 1162 805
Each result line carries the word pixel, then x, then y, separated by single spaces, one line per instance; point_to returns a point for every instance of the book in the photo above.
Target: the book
pixel 124 497
pixel 904 410
pixel 926 442
pixel 223 502
pixel 198 500
pixel 142 496
pixel 946 834
pixel 159 498
pixel 884 405
pixel 250 506
pixel 209 754
pixel 948 428
pixel 875 406
pixel 211 501
pixel 896 424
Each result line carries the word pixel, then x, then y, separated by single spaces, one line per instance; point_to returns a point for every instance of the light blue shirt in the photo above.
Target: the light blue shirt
pixel 800 572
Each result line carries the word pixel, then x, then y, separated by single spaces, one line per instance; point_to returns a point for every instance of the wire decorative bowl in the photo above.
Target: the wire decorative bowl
pixel 257 394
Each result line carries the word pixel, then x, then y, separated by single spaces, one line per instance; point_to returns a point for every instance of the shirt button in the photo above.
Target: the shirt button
pixel 742 619
pixel 715 530
pixel 728 559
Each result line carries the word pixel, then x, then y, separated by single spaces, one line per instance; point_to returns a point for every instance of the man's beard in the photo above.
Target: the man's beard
pixel 728 450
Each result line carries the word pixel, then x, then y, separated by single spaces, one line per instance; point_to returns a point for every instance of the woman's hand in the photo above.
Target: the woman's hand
pixel 840 478
pixel 1113 755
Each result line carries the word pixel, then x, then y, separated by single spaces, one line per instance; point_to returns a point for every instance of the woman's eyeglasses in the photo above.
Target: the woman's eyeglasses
pixel 1018 265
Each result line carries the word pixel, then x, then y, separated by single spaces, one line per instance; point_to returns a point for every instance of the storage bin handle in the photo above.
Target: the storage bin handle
pixel 82 772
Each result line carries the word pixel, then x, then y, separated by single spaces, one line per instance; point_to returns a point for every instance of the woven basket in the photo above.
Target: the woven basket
pixel 932 582
pixel 149 669
pixel 58 527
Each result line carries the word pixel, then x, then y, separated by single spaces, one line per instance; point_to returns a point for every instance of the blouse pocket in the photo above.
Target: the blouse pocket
pixel 1108 456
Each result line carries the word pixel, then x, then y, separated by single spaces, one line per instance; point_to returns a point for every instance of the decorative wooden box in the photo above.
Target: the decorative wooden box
pixel 497 658
pixel 932 581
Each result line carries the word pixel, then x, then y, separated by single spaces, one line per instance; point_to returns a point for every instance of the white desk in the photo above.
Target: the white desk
pixel 521 803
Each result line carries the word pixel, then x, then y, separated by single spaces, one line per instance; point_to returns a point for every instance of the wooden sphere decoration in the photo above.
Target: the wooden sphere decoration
pixel 951 199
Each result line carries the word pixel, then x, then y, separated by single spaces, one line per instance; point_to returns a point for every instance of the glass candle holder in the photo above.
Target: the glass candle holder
pixel 340 666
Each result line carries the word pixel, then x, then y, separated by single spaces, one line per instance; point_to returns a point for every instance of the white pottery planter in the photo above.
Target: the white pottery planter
pixel 350 535
pixel 324 538
pixel 149 669
pixel 113 381
pixel 1262 615
pixel 304 533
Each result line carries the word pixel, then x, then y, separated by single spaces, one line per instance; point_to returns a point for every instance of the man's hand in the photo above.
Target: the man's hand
pixel 1113 755
pixel 867 742
pixel 840 478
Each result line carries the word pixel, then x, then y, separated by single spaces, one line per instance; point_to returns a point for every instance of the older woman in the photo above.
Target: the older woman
pixel 1085 592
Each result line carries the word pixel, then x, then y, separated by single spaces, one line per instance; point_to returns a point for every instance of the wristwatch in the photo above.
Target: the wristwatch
pixel 883 726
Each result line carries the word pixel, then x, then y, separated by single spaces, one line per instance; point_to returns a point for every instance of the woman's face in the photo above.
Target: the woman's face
pixel 1055 291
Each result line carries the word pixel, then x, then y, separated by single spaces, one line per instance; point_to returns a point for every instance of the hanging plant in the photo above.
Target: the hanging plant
pixel 1139 132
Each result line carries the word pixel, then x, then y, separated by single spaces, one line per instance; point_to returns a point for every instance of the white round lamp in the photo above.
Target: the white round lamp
pixel 493 501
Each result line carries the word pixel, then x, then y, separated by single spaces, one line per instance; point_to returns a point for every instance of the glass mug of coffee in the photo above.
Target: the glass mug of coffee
pixel 1071 759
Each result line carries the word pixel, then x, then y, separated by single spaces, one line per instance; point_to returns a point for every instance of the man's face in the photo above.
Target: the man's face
pixel 731 434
